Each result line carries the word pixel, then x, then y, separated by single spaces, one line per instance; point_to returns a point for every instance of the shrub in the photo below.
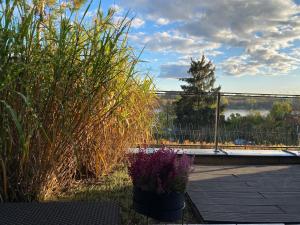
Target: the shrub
pixel 161 172
pixel 70 99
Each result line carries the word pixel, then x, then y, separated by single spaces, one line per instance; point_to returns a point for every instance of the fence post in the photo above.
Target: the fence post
pixel 217 120
pixel 298 135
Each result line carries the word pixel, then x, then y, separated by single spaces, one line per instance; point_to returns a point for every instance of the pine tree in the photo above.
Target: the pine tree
pixel 196 107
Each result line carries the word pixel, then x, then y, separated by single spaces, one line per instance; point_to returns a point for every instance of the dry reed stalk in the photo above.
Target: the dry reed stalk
pixel 69 98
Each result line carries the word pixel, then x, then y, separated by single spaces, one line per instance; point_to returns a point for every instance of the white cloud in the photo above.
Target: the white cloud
pixel 137 23
pixel 172 42
pixel 118 9
pixel 264 30
pixel 162 21
pixel 174 70
pixel 260 62
pixel 296 53
pixel 120 15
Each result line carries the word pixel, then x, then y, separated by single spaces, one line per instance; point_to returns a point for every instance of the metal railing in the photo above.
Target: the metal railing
pixel 217 135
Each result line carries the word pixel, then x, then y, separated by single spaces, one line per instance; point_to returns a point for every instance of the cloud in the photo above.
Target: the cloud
pixel 162 21
pixel 260 62
pixel 118 9
pixel 120 15
pixel 137 23
pixel 264 30
pixel 172 42
pixel 173 71
pixel 155 9
pixel 296 53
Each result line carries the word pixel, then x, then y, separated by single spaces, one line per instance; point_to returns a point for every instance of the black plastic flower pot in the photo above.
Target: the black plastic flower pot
pixel 163 207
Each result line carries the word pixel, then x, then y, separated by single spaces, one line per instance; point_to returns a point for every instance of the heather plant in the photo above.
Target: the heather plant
pixel 163 171
pixel 70 97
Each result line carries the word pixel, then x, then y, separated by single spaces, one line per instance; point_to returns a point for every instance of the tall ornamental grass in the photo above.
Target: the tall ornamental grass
pixel 70 99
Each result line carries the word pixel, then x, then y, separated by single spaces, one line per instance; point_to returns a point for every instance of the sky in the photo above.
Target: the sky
pixel 254 45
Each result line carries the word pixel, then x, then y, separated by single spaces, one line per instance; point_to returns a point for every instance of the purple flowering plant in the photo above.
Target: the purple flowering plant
pixel 163 171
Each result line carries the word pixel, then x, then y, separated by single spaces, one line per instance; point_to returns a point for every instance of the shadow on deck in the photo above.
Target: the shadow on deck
pixel 246 193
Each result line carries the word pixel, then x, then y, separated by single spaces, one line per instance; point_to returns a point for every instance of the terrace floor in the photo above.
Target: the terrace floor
pixel 246 194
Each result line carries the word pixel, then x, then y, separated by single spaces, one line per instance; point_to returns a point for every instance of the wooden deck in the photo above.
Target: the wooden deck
pixel 246 194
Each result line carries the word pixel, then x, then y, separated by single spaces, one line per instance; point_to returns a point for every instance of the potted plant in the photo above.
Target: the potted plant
pixel 159 181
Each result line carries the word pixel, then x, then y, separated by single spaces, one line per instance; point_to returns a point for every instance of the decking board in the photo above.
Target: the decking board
pixel 246 194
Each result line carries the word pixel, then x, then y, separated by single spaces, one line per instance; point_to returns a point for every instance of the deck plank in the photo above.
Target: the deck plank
pixel 246 194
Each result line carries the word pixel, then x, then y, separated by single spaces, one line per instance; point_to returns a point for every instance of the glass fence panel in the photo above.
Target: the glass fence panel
pixel 258 122
pixel 246 121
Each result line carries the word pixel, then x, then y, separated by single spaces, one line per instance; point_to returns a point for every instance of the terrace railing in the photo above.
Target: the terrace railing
pixel 239 120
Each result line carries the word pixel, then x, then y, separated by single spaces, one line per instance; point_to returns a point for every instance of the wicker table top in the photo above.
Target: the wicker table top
pixel 60 213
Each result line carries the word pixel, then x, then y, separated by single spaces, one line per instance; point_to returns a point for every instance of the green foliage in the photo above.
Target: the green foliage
pixel 197 103
pixel 165 117
pixel 69 96
pixel 253 120
pixel 278 127
pixel 280 110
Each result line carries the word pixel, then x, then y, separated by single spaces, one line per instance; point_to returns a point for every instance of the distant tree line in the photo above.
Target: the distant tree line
pixel 280 126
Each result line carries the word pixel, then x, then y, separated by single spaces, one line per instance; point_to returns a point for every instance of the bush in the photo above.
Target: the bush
pixel 70 99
